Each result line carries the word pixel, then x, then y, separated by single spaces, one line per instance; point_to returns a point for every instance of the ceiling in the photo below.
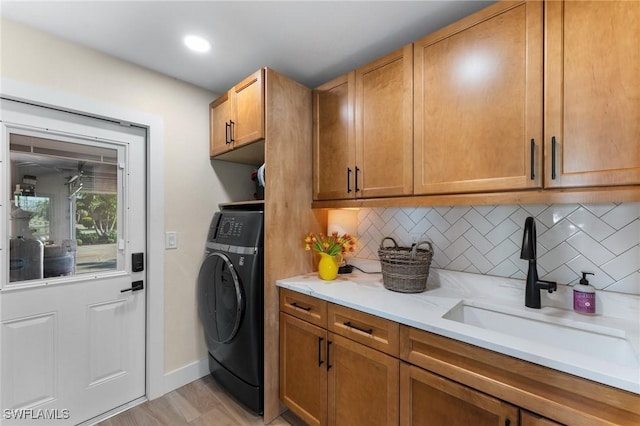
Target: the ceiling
pixel 309 41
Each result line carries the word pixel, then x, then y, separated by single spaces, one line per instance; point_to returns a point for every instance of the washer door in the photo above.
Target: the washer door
pixel 220 299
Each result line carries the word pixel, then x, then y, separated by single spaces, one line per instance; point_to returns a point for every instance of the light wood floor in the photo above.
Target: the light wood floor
pixel 199 403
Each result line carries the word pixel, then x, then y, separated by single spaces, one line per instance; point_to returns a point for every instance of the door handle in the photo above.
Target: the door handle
pixel 320 361
pixel 533 152
pixel 135 286
pixel 553 157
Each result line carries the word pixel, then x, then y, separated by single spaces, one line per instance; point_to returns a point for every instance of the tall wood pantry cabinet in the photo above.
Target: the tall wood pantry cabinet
pixel 592 99
pixel 363 131
pixel 285 106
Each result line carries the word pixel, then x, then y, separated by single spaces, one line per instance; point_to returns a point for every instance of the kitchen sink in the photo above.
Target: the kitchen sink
pixel 604 343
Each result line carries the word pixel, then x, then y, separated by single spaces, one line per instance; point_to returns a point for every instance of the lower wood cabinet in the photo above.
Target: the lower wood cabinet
pixel 303 372
pixel 329 379
pixel 429 399
pixel 530 419
pixel 363 384
pixel 339 366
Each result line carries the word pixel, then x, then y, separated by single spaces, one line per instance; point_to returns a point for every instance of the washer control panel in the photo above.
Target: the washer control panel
pixel 237 228
pixel 230 226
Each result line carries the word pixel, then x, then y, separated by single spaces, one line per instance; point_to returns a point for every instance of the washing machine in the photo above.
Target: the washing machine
pixel 230 304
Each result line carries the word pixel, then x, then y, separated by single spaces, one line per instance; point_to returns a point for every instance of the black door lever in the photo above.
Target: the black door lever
pixel 135 286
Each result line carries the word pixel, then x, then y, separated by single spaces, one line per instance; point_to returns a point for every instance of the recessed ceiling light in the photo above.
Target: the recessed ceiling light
pixel 196 43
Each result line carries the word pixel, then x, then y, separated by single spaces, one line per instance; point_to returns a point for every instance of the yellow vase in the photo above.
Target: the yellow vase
pixel 328 266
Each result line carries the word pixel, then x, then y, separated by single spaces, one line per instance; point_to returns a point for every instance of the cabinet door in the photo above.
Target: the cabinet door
pixel 429 399
pixel 219 141
pixel 333 139
pixel 363 384
pixel 384 126
pixel 247 110
pixel 478 103
pixel 303 369
pixel 592 93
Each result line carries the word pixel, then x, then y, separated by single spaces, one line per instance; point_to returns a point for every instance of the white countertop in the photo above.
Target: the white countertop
pixel 618 316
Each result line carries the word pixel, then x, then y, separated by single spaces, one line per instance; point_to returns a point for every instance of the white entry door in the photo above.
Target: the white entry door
pixel 72 302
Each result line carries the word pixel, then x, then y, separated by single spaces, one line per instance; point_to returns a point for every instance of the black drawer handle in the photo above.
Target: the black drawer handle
pixel 368 331
pixel 357 171
pixel 232 132
pixel 348 180
pixel 304 308
pixel 329 343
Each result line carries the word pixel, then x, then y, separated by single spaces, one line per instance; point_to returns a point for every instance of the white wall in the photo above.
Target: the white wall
pixel 193 187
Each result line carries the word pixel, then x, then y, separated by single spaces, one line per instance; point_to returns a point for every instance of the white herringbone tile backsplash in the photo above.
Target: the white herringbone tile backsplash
pixel 600 238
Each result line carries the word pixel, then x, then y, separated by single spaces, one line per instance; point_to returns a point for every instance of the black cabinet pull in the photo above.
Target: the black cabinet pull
pixel 329 343
pixel 320 361
pixel 304 308
pixel 348 180
pixel 553 157
pixel 507 422
pixel 533 152
pixel 357 170
pixel 227 133
pixel 368 331
pixel 233 128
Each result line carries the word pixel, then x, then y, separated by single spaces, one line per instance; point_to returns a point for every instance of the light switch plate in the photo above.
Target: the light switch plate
pixel 171 240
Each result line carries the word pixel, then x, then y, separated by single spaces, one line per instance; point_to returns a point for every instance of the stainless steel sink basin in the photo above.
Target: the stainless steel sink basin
pixel 605 343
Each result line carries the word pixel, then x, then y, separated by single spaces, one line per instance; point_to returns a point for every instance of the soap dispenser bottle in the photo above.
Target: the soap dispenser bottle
pixel 584 296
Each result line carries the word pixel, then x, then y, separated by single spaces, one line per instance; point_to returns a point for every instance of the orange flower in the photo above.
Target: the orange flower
pixel 331 244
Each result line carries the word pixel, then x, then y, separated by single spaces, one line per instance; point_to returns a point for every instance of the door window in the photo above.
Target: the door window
pixel 65 207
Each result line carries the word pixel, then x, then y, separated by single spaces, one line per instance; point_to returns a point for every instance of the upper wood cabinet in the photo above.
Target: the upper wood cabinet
pixel 334 139
pixel 592 99
pixel 384 126
pixel 478 102
pixel 237 117
pixel 363 131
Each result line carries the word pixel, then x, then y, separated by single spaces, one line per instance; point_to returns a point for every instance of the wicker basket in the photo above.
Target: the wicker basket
pixel 405 269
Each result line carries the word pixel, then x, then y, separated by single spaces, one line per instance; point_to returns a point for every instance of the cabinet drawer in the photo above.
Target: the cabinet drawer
pixel 375 332
pixel 555 395
pixel 304 307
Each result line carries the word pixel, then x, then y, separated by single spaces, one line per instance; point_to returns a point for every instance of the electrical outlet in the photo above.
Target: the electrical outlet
pixel 415 237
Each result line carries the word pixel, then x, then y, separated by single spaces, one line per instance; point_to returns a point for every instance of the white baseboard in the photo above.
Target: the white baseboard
pixel 184 375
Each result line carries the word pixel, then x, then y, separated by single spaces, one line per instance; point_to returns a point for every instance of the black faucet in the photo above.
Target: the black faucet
pixel 528 252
